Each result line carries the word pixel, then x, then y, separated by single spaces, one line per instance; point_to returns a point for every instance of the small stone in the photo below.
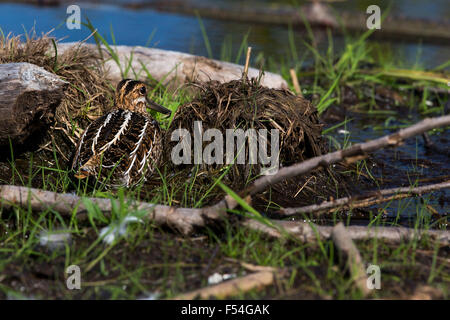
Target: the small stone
pixel 218 278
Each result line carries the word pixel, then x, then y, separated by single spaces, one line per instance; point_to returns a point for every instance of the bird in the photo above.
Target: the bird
pixel 123 146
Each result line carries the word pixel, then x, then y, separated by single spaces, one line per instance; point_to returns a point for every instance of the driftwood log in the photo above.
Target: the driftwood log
pixel 29 96
pixel 183 220
pixel 172 68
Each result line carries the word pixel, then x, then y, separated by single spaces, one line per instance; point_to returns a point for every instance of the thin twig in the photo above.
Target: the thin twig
pixel 247 62
pixel 366 200
pixel 295 82
pixel 252 267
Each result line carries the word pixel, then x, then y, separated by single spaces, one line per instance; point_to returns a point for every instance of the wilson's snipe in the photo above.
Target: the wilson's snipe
pixel 124 145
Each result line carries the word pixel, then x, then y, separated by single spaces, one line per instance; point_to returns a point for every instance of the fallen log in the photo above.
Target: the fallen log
pixel 183 220
pixel 172 68
pixel 29 96
pixel 317 14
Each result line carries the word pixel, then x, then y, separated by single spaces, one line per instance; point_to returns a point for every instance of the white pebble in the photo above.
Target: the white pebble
pixel 218 278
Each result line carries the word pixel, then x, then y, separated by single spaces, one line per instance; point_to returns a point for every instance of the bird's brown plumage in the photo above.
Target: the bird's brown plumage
pixel 123 146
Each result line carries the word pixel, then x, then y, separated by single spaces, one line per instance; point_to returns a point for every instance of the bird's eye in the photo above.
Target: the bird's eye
pixel 143 90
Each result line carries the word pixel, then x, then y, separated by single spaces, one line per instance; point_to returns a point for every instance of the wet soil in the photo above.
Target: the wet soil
pixel 163 263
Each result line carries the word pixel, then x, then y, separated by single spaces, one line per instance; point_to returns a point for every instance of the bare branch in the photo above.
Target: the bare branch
pixel 185 220
pixel 182 219
pixel 365 200
pixel 310 232
pixel 360 149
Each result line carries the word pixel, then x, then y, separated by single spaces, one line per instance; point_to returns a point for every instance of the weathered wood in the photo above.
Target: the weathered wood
pixel 29 96
pixel 185 220
pixel 364 200
pixel 309 232
pixel 173 68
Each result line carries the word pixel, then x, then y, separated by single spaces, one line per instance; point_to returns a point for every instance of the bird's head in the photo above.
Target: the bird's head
pixel 132 95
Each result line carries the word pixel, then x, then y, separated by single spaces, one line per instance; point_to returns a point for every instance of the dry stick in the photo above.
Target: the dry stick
pixel 359 201
pixel 247 62
pixel 233 287
pixel 354 262
pixel 350 154
pixel 310 232
pixel 295 82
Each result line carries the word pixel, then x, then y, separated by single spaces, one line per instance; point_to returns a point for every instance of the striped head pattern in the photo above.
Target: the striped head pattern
pixel 132 95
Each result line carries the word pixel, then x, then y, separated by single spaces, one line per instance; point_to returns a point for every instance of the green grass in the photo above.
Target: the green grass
pixel 152 260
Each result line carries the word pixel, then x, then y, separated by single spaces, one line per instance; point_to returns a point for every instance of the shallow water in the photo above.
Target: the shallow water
pixel 411 163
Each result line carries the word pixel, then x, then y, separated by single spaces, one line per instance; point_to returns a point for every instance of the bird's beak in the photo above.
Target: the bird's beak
pixel 154 106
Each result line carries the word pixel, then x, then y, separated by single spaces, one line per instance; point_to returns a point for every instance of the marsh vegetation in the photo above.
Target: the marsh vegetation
pixel 359 94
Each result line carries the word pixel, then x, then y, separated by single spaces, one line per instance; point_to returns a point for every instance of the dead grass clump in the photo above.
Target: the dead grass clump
pixel 87 96
pixel 245 104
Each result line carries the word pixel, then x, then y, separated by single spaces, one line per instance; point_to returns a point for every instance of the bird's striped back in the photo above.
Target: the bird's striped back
pixel 121 141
